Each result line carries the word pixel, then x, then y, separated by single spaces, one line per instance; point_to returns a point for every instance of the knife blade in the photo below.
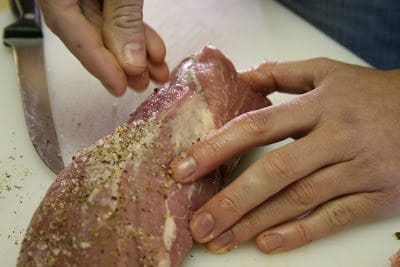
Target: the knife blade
pixel 26 39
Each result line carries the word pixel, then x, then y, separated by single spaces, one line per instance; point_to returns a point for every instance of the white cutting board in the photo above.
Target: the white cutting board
pixel 246 31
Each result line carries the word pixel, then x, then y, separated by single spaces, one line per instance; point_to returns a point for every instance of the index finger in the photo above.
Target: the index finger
pixel 247 131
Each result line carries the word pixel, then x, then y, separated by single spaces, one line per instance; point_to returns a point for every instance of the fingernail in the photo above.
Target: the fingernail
pixel 133 54
pixel 219 244
pixel 271 242
pixel 201 225
pixel 111 90
pixel 184 168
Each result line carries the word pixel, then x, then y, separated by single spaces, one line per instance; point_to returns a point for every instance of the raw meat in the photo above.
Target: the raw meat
pixel 395 259
pixel 116 204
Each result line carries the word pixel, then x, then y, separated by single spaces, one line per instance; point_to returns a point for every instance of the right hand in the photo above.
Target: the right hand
pixel 342 169
pixel 110 39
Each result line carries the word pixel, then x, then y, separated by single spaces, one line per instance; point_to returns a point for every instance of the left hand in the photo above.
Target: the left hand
pixel 110 39
pixel 343 167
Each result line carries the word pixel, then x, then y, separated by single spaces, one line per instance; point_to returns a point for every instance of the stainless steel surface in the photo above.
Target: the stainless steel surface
pixel 29 59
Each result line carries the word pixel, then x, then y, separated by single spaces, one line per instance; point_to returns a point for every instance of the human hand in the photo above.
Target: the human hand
pixel 110 39
pixel 342 169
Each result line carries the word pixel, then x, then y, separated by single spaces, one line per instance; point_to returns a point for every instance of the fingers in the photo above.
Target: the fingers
pixel 291 77
pixel 155 45
pixel 138 48
pixel 157 69
pixel 139 82
pixel 243 133
pixel 297 199
pixel 329 218
pixel 92 11
pixel 158 73
pixel 266 177
pixel 83 40
pixel 123 34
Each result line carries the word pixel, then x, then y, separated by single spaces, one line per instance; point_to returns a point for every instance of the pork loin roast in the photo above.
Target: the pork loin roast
pixel 116 204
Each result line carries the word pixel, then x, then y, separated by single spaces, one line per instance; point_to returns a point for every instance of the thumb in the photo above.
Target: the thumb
pixel 123 33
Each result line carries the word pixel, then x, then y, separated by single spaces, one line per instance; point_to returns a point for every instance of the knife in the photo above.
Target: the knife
pixel 26 39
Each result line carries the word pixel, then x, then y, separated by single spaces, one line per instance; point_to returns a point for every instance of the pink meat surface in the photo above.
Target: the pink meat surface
pixel 116 204
pixel 395 259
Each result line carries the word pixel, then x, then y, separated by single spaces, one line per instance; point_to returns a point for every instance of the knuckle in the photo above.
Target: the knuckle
pixel 375 165
pixel 350 117
pixel 248 226
pixel 317 105
pixel 322 60
pixel 338 216
pixel 281 164
pixel 342 137
pixel 345 138
pixel 256 123
pixel 213 145
pixel 49 17
pixel 302 194
pixel 228 203
pixel 388 200
pixel 128 17
pixel 54 25
pixel 54 13
pixel 50 22
pixel 303 232
pixel 380 202
pixel 325 65
pixel 45 6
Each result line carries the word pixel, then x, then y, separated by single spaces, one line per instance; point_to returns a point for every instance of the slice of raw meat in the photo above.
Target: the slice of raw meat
pixel 116 204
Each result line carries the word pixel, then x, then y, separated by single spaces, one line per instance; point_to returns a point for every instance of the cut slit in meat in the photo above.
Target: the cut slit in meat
pixel 117 204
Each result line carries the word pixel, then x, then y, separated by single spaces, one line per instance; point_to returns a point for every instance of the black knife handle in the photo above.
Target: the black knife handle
pixel 14 8
pixel 26 29
pixel 20 7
